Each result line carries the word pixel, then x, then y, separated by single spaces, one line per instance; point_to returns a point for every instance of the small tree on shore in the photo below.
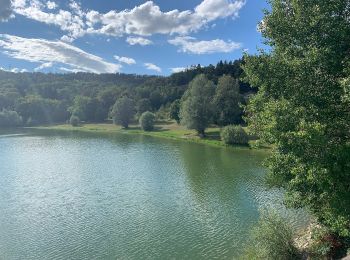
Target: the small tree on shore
pixel 147 120
pixel 196 108
pixel 123 111
pixel 74 121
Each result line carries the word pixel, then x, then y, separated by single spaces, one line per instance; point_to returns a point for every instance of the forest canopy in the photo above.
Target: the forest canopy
pixel 40 98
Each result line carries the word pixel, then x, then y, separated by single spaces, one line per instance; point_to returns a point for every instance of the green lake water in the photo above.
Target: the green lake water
pixel 88 196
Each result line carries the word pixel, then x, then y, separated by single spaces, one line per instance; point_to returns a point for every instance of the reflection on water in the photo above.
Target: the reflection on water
pixel 84 196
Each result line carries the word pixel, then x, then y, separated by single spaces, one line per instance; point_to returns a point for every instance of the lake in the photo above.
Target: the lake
pixel 120 196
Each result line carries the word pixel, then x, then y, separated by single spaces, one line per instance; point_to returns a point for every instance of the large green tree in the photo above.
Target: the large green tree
pixel 227 101
pixel 196 106
pixel 302 107
pixel 123 111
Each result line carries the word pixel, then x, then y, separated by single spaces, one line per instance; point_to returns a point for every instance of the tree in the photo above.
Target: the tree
pixel 123 111
pixel 175 111
pixel 9 119
pixel 87 109
pixel 302 107
pixel 147 121
pixel 156 99
pixel 196 110
pixel 143 105
pixel 227 101
pixel 74 120
pixel 234 134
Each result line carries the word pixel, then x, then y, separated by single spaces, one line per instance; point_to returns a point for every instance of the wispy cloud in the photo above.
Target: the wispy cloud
pixel 138 40
pixel 14 70
pixel 192 45
pixel 151 66
pixel 125 60
pixel 44 51
pixel 178 69
pixel 68 21
pixel 44 66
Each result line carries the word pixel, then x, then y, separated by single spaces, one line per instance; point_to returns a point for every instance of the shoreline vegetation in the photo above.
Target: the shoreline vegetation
pixel 164 129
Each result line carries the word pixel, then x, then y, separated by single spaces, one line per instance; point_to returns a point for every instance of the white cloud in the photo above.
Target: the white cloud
pixel 5 10
pixel 214 9
pixel 44 51
pixel 142 20
pixel 151 66
pixel 148 19
pixel 70 70
pixel 44 66
pixel 67 38
pixel 73 23
pixel 178 69
pixel 14 70
pixel 191 45
pixel 126 60
pixel 138 40
pixel 76 8
pixel 51 5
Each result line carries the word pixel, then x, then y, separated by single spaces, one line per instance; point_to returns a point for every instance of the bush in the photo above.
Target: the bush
pixel 325 244
pixel 9 118
pixel 271 239
pixel 147 120
pixel 234 135
pixel 74 121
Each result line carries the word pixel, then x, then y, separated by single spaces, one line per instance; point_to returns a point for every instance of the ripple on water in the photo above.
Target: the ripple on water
pixel 124 197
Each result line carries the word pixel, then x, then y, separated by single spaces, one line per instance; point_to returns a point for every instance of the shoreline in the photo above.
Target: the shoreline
pixel 167 131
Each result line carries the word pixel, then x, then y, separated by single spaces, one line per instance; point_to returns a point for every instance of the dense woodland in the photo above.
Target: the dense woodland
pixel 39 98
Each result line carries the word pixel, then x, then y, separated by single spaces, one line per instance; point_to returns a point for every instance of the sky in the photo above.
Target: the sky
pixel 127 36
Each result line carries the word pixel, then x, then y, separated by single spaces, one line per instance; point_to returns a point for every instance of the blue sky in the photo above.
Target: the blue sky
pixel 142 37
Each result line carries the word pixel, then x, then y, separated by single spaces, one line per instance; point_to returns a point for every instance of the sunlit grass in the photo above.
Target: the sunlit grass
pixel 166 129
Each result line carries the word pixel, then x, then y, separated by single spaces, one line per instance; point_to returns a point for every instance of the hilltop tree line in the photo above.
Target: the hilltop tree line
pixel 39 98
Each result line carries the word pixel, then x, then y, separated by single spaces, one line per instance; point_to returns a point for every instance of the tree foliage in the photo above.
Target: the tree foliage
pixel 123 111
pixel 52 98
pixel 227 101
pixel 234 134
pixel 9 118
pixel 196 108
pixel 74 120
pixel 271 239
pixel 302 106
pixel 147 121
pixel 175 111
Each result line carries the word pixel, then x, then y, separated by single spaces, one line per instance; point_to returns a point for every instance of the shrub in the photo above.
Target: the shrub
pixel 325 244
pixel 271 239
pixel 9 118
pixel 234 135
pixel 74 121
pixel 147 120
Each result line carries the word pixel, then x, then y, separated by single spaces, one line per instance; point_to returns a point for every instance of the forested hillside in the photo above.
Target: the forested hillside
pixel 52 98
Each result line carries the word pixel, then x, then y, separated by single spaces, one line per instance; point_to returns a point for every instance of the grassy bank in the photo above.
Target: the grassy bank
pixel 169 130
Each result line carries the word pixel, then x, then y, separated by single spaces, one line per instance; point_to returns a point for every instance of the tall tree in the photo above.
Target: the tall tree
pixel 227 101
pixel 196 107
pixel 123 111
pixel 302 107
pixel 175 111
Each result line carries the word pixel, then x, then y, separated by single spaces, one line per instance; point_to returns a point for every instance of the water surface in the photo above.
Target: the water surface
pixel 85 196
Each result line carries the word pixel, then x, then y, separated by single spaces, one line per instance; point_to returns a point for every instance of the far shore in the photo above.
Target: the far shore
pixel 165 129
